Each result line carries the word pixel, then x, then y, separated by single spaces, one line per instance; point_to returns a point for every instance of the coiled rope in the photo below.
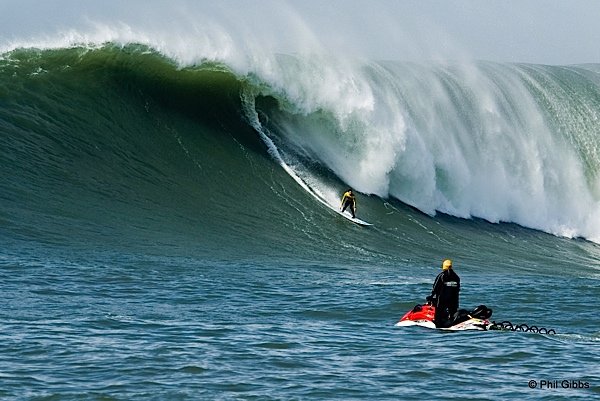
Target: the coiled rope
pixel 506 325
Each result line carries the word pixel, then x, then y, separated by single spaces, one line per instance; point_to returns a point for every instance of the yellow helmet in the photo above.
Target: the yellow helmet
pixel 446 264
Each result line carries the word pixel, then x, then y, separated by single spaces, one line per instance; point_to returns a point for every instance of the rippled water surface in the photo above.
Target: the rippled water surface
pixel 141 327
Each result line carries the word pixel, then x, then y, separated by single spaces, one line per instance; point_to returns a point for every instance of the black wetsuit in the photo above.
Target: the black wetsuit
pixel 349 200
pixel 445 297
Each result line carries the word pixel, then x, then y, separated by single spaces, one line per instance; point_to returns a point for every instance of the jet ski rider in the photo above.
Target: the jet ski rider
pixel 444 295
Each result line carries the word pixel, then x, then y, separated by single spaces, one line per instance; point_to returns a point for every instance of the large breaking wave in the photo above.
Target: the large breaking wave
pixel 502 142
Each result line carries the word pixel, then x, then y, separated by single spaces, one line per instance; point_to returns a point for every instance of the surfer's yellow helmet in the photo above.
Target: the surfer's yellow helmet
pixel 446 264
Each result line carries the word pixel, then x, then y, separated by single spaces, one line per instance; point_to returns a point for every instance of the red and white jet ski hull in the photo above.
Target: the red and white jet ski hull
pixel 423 315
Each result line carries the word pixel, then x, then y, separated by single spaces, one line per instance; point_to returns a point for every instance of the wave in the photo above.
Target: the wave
pixel 506 143
pixel 501 142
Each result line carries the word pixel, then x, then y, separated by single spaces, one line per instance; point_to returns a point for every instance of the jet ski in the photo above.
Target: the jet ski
pixel 423 315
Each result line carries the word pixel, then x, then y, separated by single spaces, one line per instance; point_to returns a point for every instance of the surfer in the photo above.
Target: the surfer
pixel 349 200
pixel 444 295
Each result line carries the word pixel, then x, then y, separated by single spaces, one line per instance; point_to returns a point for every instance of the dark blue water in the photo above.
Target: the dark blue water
pixel 119 326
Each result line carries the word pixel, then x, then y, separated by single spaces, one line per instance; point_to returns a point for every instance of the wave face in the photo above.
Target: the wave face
pixel 130 139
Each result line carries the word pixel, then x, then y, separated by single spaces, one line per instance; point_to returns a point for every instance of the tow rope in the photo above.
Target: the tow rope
pixel 506 325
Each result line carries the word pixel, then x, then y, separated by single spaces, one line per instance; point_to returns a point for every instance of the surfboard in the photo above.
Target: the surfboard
pixel 354 219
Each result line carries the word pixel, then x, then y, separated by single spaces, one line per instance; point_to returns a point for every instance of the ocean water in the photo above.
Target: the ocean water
pixel 160 240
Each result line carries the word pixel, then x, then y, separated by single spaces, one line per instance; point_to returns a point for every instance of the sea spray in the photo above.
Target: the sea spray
pixel 471 141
